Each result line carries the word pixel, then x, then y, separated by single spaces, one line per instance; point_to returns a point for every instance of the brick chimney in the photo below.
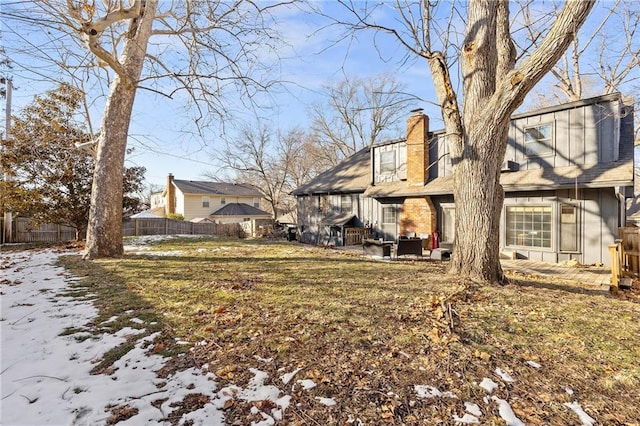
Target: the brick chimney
pixel 170 205
pixel 417 148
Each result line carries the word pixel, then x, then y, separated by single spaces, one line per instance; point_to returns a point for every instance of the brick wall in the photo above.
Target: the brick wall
pixel 418 214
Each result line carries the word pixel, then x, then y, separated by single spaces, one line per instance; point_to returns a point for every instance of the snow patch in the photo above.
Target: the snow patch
pixel 506 412
pixel 329 402
pixel 506 377
pixel 533 364
pixel 488 384
pixel 586 419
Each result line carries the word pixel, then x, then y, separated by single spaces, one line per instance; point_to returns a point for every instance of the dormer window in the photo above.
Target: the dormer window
pixel 388 162
pixel 538 140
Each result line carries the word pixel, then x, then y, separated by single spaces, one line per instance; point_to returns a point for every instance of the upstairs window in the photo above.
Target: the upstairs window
pixel 205 201
pixel 223 201
pixel 538 140
pixel 346 203
pixel 388 162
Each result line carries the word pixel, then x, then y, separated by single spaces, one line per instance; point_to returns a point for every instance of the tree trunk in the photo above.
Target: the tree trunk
pixel 104 230
pixel 104 233
pixel 493 89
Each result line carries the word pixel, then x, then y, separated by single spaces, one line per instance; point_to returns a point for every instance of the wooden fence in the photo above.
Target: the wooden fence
pixel 629 251
pixel 25 230
pixel 162 226
pixel 354 236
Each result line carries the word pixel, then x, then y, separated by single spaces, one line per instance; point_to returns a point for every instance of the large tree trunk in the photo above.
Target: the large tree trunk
pixel 493 89
pixel 104 231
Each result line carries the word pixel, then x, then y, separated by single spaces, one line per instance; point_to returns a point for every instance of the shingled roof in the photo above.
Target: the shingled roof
pixel 217 188
pixel 239 209
pixel 602 175
pixel 351 175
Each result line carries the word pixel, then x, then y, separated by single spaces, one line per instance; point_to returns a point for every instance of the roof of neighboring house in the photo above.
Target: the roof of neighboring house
pixel 201 220
pixel 619 173
pixel 217 188
pixel 145 215
pixel 239 209
pixel 351 175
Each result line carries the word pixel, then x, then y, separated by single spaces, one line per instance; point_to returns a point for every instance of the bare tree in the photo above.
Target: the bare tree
pixel 601 60
pixel 493 86
pixel 357 113
pixel 267 161
pixel 204 49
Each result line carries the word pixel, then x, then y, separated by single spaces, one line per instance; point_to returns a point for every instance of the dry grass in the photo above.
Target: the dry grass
pixel 367 331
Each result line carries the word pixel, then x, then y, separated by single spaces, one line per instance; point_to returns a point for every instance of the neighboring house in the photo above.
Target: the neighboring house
pixel 218 201
pixel 567 174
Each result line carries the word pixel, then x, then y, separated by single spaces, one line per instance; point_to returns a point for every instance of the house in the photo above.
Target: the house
pixel 218 201
pixel 567 174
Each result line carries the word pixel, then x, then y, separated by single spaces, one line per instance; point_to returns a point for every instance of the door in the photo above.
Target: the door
pixel 569 228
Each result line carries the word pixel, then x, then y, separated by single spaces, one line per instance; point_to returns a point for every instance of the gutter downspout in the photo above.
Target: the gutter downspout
pixel 622 213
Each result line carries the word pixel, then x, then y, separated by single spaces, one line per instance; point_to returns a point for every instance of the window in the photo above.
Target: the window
pixel 388 215
pixel 346 203
pixel 256 204
pixel 223 201
pixel 388 162
pixel 205 201
pixel 528 226
pixel 538 140
pixel 448 224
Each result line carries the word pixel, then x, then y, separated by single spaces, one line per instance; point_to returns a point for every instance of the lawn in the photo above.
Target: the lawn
pixel 395 342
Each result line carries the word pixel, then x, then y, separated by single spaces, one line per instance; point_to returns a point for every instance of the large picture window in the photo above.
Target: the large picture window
pixel 528 226
pixel 538 140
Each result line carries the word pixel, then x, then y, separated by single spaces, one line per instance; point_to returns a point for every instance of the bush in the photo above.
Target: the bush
pixel 230 230
pixel 175 216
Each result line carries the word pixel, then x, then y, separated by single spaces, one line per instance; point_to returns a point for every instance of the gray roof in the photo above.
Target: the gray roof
pixel 353 174
pixel 603 175
pixel 239 209
pixel 216 188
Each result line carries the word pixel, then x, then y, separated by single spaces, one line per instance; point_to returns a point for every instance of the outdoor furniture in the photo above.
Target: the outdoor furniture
pixel 409 246
pixel 377 248
pixel 441 254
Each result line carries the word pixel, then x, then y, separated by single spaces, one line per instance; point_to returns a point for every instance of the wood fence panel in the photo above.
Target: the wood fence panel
pixel 354 236
pixel 26 230
pixel 630 250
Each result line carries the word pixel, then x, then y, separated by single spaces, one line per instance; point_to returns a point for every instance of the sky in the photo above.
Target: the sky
pixel 163 135
pixel 45 377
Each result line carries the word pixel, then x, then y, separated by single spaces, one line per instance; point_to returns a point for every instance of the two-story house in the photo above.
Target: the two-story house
pixel 218 201
pixel 567 173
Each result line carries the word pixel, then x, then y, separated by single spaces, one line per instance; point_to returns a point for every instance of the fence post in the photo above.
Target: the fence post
pixel 615 267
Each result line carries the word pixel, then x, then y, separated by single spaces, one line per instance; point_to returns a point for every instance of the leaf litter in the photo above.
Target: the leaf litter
pixel 373 337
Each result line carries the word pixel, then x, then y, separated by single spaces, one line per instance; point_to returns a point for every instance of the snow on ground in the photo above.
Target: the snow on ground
pixel 45 377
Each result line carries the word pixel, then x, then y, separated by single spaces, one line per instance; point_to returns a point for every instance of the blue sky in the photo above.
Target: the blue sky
pixel 163 134
pixel 313 64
